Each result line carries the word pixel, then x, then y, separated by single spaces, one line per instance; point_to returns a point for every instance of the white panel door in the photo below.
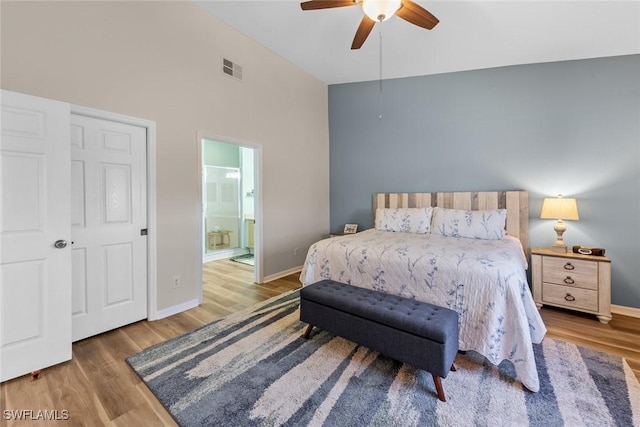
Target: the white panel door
pixel 108 212
pixel 35 275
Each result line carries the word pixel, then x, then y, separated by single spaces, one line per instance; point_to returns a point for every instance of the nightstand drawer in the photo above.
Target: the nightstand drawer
pixel 583 299
pixel 570 272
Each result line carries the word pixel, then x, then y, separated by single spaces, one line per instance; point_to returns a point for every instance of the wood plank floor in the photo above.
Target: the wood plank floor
pixel 98 388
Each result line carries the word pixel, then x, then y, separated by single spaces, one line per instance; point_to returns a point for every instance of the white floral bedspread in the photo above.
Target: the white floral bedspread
pixel 483 280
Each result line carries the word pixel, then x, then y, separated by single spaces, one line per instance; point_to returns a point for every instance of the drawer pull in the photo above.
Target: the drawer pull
pixel 569 266
pixel 569 297
pixel 569 280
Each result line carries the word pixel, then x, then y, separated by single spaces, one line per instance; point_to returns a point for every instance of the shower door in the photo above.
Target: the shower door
pixel 221 192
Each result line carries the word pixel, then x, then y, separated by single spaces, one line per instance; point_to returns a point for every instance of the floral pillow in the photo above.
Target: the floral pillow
pixel 404 220
pixel 487 224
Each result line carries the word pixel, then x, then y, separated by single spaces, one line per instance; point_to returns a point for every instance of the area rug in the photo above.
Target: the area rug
pixel 253 369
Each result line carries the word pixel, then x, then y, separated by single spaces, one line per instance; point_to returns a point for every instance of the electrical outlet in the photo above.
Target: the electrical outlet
pixel 176 281
pixel 295 251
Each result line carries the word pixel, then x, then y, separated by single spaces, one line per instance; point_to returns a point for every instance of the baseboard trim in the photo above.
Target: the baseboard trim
pixel 170 311
pixel 626 311
pixel 282 274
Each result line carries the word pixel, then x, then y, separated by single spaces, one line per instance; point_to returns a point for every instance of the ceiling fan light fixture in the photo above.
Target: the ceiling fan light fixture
pixel 380 10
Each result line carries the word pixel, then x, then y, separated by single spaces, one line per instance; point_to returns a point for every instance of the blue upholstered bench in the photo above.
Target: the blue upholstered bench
pixel 420 334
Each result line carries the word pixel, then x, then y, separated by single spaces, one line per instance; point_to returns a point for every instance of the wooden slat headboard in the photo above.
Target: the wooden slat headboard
pixel 515 202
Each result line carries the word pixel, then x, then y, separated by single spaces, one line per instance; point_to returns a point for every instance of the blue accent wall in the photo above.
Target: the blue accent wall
pixel 565 127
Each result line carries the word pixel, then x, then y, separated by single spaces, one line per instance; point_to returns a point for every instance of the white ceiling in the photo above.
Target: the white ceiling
pixel 472 34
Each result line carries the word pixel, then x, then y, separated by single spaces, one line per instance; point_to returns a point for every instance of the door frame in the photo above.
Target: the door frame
pixel 257 151
pixel 152 261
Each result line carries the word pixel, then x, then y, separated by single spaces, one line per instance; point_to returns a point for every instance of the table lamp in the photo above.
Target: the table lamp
pixel 559 208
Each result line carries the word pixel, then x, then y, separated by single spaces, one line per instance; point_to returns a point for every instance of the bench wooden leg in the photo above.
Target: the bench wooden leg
pixel 307 331
pixel 439 389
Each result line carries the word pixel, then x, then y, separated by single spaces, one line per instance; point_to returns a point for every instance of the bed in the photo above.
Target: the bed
pixel 461 250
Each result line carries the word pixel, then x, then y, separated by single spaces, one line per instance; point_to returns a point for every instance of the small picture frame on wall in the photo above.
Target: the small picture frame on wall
pixel 350 228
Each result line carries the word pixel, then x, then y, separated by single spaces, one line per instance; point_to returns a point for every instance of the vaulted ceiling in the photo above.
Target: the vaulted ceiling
pixel 472 34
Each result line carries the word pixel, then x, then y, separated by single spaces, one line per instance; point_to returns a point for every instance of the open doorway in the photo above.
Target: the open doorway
pixel 229 202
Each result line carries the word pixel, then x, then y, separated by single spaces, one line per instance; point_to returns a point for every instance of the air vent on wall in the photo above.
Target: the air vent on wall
pixel 231 69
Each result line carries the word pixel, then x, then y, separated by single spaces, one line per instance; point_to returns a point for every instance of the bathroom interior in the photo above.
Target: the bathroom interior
pixel 228 192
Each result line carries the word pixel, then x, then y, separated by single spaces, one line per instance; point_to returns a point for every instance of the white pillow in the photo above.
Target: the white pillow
pixel 404 220
pixel 488 225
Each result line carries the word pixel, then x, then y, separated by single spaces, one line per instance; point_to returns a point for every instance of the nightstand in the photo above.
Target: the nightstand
pixel 574 281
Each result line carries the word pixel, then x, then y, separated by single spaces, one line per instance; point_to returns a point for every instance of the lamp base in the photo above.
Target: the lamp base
pixel 559 245
pixel 560 249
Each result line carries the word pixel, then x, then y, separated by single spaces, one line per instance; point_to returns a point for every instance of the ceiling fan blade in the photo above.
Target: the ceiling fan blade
pixel 365 27
pixel 326 4
pixel 417 15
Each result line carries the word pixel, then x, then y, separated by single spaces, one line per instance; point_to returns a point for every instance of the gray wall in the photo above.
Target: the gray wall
pixel 567 127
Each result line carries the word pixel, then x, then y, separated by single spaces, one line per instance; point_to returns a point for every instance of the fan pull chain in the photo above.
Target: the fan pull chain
pixel 380 77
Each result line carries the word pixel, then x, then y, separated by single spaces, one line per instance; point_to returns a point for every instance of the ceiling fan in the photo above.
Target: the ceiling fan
pixel 378 11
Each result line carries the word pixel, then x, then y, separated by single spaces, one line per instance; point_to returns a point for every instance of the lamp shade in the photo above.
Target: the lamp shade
pixel 559 208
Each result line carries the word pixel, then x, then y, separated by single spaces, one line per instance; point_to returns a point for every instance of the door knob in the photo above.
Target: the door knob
pixel 60 244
